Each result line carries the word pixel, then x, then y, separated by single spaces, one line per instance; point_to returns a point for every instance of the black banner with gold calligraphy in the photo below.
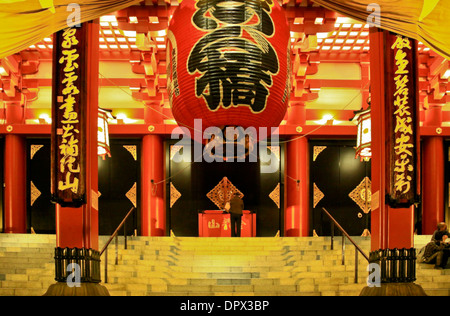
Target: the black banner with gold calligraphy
pixel 401 106
pixel 68 117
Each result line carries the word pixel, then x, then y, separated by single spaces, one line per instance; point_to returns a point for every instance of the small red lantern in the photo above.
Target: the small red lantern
pixel 228 63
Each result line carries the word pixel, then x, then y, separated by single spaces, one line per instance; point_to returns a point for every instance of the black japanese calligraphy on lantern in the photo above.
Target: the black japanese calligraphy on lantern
pixel 235 60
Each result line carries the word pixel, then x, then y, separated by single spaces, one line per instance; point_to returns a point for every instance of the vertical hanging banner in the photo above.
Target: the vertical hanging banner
pixel 68 161
pixel 401 103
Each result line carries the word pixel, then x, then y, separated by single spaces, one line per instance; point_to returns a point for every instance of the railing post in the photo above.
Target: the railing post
pixel 373 255
pixel 106 265
pixel 125 233
pixel 401 266
pixel 332 235
pixel 117 250
pixel 411 259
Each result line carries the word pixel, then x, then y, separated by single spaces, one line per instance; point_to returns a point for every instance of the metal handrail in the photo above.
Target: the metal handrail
pixel 345 234
pixel 114 235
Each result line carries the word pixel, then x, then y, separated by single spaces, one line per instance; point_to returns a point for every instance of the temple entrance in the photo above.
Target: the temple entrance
pixel 40 210
pixel 195 187
pixel 119 187
pixel 341 184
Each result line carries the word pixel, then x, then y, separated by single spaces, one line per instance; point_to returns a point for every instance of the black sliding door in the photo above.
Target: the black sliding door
pixel 340 184
pixel 40 209
pixel 190 183
pixel 119 186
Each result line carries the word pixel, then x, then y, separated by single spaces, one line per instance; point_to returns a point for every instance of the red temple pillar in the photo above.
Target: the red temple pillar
pixel 15 176
pixel 77 226
pixel 392 215
pixel 433 183
pixel 433 177
pixel 15 213
pixel 391 227
pixel 153 215
pixel 296 219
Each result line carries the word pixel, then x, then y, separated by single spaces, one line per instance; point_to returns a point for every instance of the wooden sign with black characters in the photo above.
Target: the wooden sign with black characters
pixel 401 103
pixel 68 161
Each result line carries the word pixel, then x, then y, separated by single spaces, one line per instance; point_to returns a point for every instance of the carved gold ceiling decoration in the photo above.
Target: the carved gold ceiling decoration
pixel 317 150
pixel 34 193
pixel 132 150
pixel 174 194
pixel 131 194
pixel 318 195
pixel 223 192
pixel 362 195
pixel 275 195
pixel 34 149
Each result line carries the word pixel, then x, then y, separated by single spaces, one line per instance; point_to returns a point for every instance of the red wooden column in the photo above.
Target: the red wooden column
pixel 77 226
pixel 296 221
pixel 15 176
pixel 15 214
pixel 433 177
pixel 391 227
pixel 392 219
pixel 153 215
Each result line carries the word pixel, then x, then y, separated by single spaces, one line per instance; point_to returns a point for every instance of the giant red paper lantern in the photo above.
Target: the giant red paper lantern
pixel 228 63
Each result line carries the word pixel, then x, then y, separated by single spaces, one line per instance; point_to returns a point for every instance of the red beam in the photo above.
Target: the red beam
pixel 322 130
pixel 340 57
pixel 164 129
pixel 25 129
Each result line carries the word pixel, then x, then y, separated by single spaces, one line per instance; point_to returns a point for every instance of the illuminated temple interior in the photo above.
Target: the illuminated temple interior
pixel 350 165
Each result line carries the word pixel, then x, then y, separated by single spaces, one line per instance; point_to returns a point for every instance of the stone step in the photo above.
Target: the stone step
pixel 187 266
pixel 231 290
pixel 437 292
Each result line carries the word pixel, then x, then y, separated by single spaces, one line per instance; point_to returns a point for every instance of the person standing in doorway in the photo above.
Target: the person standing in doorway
pixel 236 208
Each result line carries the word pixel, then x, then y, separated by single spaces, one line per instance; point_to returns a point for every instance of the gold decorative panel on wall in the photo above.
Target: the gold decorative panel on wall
pixel 275 195
pixel 222 193
pixel 317 150
pixel 362 194
pixel 318 195
pixel 132 149
pixel 34 149
pixel 275 150
pixel 174 149
pixel 131 195
pixel 174 194
pixel 34 192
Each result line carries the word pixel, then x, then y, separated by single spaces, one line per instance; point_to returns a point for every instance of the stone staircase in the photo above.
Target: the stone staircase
pixel 188 266
pixel 229 266
pixel 434 282
pixel 27 267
